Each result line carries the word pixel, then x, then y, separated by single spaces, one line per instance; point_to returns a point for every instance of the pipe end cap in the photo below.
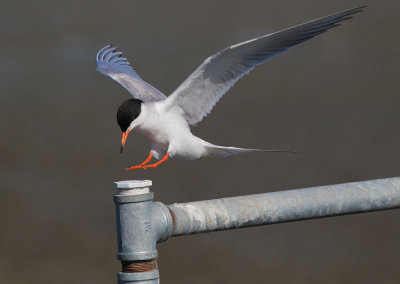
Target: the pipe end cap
pixel 133 186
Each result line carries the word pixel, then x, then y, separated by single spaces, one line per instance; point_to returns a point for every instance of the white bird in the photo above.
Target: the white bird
pixel 165 120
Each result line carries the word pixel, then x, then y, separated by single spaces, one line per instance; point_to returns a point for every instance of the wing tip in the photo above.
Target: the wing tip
pixel 101 54
pixel 101 51
pixel 353 10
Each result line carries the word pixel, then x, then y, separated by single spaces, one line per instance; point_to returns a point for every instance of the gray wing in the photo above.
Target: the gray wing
pixel 109 62
pixel 198 94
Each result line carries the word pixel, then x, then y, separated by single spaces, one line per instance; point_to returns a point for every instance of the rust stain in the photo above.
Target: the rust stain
pixel 174 224
pixel 138 266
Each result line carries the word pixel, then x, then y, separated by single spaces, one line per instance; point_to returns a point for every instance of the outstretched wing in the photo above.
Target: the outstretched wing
pixel 110 63
pixel 198 94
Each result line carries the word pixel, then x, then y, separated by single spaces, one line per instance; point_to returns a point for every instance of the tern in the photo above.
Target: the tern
pixel 166 120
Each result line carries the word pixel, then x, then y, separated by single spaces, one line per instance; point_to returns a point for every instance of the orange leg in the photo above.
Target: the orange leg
pixel 155 165
pixel 142 164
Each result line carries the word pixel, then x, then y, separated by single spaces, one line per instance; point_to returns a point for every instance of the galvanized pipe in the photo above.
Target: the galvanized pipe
pixel 284 206
pixel 142 223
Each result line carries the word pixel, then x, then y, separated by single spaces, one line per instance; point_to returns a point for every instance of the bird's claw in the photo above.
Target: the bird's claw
pixel 144 167
pixel 134 167
pixel 149 166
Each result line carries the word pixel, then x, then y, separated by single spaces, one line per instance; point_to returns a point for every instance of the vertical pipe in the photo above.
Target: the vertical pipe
pixel 136 237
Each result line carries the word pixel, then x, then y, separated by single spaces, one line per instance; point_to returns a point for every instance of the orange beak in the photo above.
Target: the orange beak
pixel 123 140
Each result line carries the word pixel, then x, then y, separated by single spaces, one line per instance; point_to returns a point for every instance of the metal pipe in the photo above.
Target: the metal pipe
pixel 284 206
pixel 141 223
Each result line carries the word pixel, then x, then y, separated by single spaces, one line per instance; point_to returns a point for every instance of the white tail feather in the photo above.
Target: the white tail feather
pixel 221 151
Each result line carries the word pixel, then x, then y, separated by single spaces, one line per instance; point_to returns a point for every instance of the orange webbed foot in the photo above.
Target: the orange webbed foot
pixel 150 166
pixel 134 168
pixel 155 165
pixel 141 166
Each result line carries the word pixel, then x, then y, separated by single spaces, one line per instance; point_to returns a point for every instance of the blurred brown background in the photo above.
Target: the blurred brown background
pixel 335 99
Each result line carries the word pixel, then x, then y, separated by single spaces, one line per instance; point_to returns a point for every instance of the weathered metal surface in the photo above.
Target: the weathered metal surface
pixel 151 277
pixel 134 227
pixel 284 206
pixel 139 266
pixel 140 224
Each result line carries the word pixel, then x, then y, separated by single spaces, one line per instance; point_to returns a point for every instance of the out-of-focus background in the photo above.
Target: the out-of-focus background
pixel 334 98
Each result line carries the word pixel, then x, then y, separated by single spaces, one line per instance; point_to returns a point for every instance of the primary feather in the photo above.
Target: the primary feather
pixel 165 121
pixel 110 63
pixel 198 94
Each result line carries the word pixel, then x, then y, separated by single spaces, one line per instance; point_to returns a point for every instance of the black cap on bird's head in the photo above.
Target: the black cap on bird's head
pixel 128 111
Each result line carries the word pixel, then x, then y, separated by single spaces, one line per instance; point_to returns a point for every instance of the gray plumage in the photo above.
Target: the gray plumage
pixel 165 120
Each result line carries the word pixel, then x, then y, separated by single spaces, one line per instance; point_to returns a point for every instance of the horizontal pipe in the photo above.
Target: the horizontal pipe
pixel 284 206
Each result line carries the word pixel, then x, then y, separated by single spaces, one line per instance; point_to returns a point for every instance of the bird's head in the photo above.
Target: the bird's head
pixel 128 111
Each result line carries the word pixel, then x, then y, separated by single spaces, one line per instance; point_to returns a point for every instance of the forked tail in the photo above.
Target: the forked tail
pixel 221 151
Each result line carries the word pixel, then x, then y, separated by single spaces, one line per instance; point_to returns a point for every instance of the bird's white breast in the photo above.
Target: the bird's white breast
pixel 168 130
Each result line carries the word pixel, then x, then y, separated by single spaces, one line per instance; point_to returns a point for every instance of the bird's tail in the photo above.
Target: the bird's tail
pixel 221 151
